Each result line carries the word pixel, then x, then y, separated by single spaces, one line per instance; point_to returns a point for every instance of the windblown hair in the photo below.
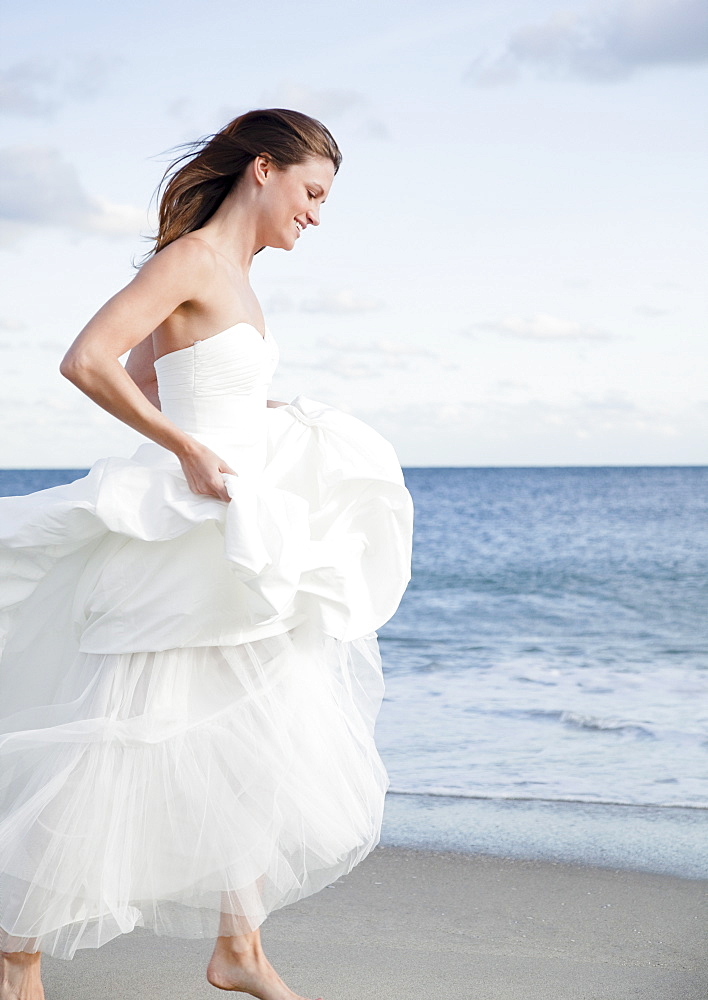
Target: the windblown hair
pixel 195 190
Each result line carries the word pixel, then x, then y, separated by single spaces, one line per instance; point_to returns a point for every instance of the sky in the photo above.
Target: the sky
pixel 510 268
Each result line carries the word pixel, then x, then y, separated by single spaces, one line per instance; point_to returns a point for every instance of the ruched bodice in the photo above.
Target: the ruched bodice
pixel 217 389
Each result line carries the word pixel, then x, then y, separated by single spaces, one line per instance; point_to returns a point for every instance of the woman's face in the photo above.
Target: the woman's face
pixel 293 197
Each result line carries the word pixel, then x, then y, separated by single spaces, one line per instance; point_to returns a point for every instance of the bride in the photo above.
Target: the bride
pixel 190 673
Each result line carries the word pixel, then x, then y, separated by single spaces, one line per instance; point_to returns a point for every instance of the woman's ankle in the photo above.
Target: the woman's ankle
pixel 21 957
pixel 238 946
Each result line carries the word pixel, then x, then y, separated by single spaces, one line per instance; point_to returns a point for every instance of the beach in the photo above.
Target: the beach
pixel 410 924
pixel 469 900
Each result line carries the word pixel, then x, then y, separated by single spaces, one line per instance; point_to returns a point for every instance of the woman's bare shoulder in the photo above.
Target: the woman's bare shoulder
pixel 188 258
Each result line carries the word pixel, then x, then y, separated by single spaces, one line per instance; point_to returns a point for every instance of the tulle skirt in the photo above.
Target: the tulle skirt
pixel 189 687
pixel 192 790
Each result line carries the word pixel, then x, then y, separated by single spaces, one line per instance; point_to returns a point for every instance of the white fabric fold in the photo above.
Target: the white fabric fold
pixel 324 531
pixel 188 685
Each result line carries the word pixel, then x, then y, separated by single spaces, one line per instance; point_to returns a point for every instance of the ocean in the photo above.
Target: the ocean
pixel 552 646
pixel 553 641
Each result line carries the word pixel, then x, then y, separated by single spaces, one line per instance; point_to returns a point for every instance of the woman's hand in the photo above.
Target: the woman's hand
pixel 203 470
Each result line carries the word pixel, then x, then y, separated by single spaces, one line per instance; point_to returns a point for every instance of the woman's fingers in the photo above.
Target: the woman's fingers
pixel 217 487
pixel 223 493
pixel 226 470
pixel 205 475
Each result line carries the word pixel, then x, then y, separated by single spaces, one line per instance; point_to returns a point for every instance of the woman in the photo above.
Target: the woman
pixel 190 675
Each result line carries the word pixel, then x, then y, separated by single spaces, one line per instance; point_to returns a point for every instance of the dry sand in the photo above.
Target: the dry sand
pixel 411 924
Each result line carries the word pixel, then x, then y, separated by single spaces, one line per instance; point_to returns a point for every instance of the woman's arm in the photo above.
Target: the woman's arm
pixel 177 275
pixel 140 365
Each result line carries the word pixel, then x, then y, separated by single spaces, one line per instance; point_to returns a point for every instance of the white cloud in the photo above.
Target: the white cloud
pixel 9 330
pixel 374 128
pixel 340 302
pixel 21 90
pixel 340 365
pixel 87 74
pixel 608 428
pixel 602 42
pixel 38 86
pixel 541 327
pixel 110 219
pixel 40 188
pixel 178 107
pixel 322 103
pixel 279 302
pixel 346 367
pixel 611 401
pixel 12 324
pixel 652 312
pixel 327 104
pixel 384 347
pixel 354 360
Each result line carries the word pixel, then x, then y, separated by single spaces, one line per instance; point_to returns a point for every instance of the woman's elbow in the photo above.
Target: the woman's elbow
pixel 67 367
pixel 75 367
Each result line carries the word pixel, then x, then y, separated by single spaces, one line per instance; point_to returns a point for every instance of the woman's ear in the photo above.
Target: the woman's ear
pixel 261 167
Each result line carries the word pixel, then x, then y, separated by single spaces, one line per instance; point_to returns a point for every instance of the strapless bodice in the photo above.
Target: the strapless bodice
pixel 217 389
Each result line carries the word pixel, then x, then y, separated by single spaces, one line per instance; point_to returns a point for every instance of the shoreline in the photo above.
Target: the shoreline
pixel 664 840
pixel 413 924
pixel 561 801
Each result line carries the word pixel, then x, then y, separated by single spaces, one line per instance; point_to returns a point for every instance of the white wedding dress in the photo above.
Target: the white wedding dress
pixel 189 686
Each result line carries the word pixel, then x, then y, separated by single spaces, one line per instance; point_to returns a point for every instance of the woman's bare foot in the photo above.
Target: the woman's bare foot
pixel 239 963
pixel 19 976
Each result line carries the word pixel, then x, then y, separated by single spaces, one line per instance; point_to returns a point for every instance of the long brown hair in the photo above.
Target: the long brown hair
pixel 217 162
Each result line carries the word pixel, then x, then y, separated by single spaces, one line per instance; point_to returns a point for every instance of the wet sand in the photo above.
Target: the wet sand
pixel 411 924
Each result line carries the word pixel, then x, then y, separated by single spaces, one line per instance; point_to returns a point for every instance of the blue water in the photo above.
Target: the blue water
pixel 553 642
